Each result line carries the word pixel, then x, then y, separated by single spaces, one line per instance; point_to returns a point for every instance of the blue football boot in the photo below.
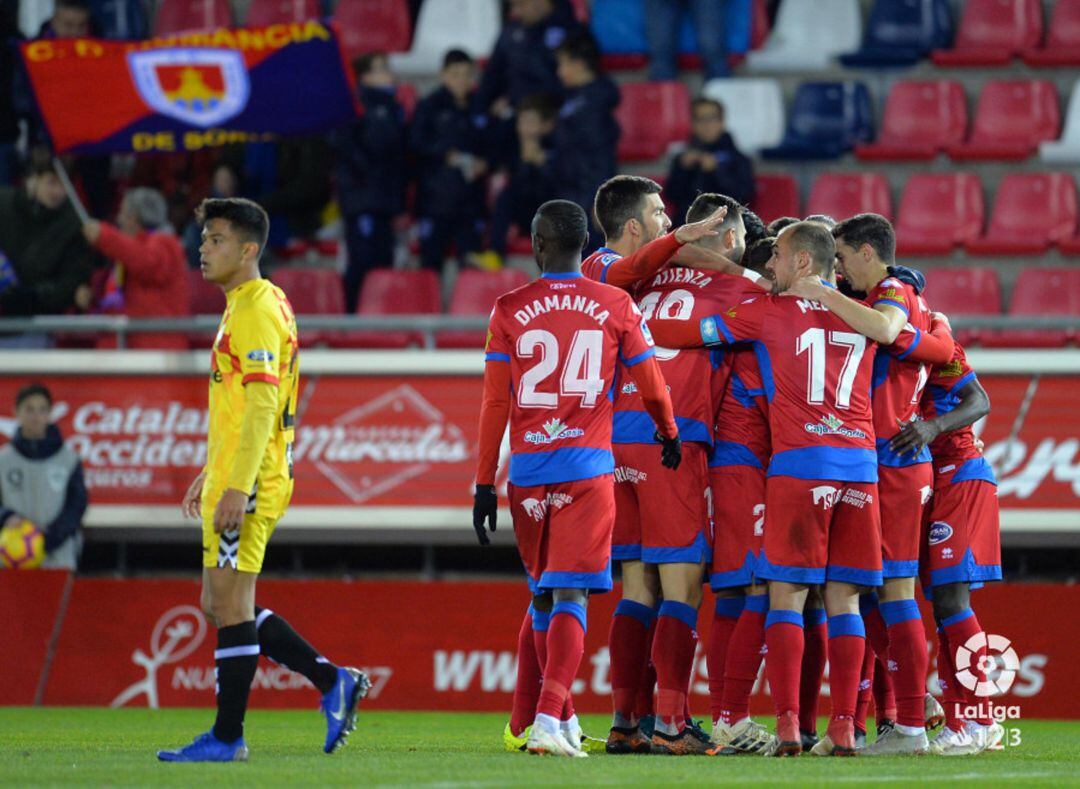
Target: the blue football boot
pixel 207 748
pixel 339 706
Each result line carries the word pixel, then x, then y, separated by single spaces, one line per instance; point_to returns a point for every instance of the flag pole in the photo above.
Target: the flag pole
pixel 76 203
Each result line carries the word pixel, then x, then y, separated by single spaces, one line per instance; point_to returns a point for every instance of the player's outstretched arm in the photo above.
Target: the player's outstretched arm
pixel 974 405
pixel 933 347
pixel 882 323
pixel 494 412
pixel 668 333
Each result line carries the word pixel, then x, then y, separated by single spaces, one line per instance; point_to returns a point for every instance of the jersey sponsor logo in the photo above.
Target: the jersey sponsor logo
pixel 547 304
pixel 856 498
pixel 892 295
pixel 554 430
pixel 940 531
pixel 831 425
pixel 260 356
pixel 538 508
pixel 629 388
pixel 825 495
pixel 926 492
pixel 946 553
pixel 951 370
pixel 631 475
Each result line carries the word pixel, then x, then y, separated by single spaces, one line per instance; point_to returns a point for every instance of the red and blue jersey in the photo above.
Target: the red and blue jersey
pixel 742 418
pixel 563 336
pixel 956 458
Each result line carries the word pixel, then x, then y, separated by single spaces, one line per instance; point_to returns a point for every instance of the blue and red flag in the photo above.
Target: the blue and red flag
pixel 191 90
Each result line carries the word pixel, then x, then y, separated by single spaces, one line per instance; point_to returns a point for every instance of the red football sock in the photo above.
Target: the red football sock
pixel 783 658
pixel 847 647
pixel 876 632
pixel 673 656
pixel 959 628
pixel 884 696
pixel 815 651
pixel 527 688
pixel 907 660
pixel 744 659
pixel 627 641
pixel 647 683
pixel 568 708
pixel 952 700
pixel 565 646
pixel 725 620
pixel 866 684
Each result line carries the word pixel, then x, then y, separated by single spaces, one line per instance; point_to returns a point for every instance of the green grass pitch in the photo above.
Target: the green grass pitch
pixel 54 746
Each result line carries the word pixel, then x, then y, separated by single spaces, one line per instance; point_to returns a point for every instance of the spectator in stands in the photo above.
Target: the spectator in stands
pixel 41 479
pixel 710 28
pixel 371 174
pixel 586 133
pixel 450 200
pixel 148 276
pixel 710 161
pixel 529 184
pixel 50 261
pixel 780 223
pixel 70 19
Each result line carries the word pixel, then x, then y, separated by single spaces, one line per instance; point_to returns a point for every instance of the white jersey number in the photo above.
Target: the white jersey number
pixel 813 342
pixel 678 305
pixel 580 371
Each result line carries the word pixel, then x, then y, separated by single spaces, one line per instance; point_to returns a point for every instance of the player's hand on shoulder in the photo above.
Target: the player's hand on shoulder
pixel 807 288
pixel 914 437
pixel 485 508
pixel 704 228
pixel 191 506
pixel 229 513
pixel 670 450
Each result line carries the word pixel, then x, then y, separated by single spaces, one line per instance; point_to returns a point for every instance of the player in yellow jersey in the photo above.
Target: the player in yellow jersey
pixel 246 485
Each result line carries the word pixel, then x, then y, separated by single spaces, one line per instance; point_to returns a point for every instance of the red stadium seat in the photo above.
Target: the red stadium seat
pixel 369 25
pixel 921 119
pixel 652 115
pixel 311 291
pixel 964 292
pixel 391 292
pixel 1011 119
pixel 274 12
pixel 177 16
pixel 841 195
pixel 1031 212
pixel 776 196
pixel 1041 291
pixel 474 294
pixel 1062 47
pixel 206 298
pixel 938 212
pixel 1070 246
pixel 993 32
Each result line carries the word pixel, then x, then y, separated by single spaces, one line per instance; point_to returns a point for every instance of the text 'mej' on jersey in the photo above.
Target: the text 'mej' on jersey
pixel 563 336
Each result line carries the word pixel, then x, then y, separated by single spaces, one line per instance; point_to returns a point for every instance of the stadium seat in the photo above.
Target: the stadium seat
pixel 120 19
pixel 273 12
pixel 1031 212
pixel 776 196
pixel 1040 291
pixel 368 25
pixel 472 25
pixel 964 292
pixel 842 195
pixel 1066 149
pixel 311 291
pixel 808 36
pixel 993 32
pixel 1070 246
pixel 901 33
pixel 938 212
pixel 921 119
pixel 392 292
pixel 1011 119
pixel 754 111
pixel 826 120
pixel 652 115
pixel 1062 47
pixel 177 16
pixel 474 294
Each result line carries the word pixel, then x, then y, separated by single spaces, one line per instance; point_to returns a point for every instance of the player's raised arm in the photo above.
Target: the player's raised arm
pixel 494 413
pixel 882 322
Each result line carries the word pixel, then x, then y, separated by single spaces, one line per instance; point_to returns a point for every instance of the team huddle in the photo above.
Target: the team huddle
pixel 712 405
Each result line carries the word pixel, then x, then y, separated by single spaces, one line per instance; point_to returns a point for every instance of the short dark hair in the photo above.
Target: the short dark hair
pixel 455 56
pixel 568 224
pixel 755 228
pixel 541 103
pixel 774 227
pixel 362 64
pixel 815 238
pixel 872 229
pixel 581 46
pixel 706 204
pixel 78 5
pixel 247 217
pixel 757 255
pixel 823 219
pixel 705 102
pixel 31 390
pixel 618 200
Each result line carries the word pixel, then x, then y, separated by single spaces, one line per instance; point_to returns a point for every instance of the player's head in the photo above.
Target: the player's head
pixel 732 232
pixel 707 119
pixel 774 227
pixel 822 219
pixel 578 59
pixel 801 250
pixel 757 256
pixel 629 211
pixel 372 69
pixel 755 228
pixel 234 233
pixel 71 19
pixel 142 209
pixel 458 73
pixel 865 247
pixel 33 406
pixel 560 230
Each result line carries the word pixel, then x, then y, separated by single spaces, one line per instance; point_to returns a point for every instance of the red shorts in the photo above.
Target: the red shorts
pixel 564 533
pixel 738 499
pixel 904 493
pixel 962 535
pixel 662 516
pixel 821 530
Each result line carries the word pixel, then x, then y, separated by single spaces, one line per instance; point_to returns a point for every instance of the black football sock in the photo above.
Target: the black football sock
pixel 279 642
pixel 236 657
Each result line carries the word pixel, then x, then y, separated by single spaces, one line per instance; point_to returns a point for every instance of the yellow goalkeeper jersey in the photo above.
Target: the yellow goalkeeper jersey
pixel 256 341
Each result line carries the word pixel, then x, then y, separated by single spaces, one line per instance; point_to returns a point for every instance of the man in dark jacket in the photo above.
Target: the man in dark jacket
pixel 371 174
pixel 451 166
pixel 41 479
pixel 710 162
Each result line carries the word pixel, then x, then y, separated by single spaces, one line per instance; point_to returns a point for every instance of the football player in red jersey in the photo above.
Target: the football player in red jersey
pixel 559 339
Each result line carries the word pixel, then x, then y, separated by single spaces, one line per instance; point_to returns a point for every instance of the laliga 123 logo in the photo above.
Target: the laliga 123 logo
pixel 203 87
pixel 977 660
